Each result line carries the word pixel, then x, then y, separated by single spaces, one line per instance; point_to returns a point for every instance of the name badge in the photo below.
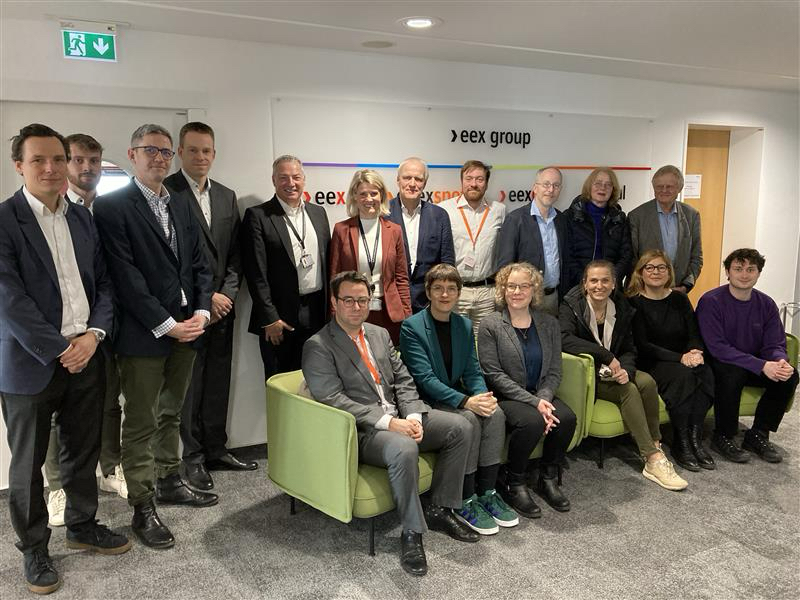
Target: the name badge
pixel 469 260
pixel 375 304
pixel 307 261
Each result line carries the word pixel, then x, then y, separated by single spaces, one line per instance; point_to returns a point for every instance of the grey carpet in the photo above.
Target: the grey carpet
pixel 734 533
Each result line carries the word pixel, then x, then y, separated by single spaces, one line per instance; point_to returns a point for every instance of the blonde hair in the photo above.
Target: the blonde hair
pixel 501 280
pixel 372 178
pixel 586 190
pixel 636 284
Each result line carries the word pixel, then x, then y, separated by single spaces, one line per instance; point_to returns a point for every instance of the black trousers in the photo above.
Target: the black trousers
pixel 525 426
pixel 205 410
pixel 77 400
pixel 729 382
pixel 287 355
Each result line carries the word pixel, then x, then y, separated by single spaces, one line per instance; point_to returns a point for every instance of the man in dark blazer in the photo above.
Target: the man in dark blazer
pixel 426 228
pixel 537 234
pixel 285 253
pixel 55 308
pixel 205 410
pixel 156 259
pixel 352 365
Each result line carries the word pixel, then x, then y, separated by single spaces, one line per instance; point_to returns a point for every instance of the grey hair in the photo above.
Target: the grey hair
pixel 287 158
pixel 147 129
pixel 669 170
pixel 550 168
pixel 414 159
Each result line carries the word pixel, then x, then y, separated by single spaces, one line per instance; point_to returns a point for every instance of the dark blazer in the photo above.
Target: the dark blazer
pixel 419 347
pixel 269 263
pixel 520 240
pixel 337 376
pixel 30 296
pixel 147 276
pixel 221 240
pixel 503 362
pixel 434 246
pixel 345 246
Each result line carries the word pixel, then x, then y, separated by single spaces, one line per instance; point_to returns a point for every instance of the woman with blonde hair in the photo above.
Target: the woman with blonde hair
pixel 369 243
pixel 519 348
pixel 670 348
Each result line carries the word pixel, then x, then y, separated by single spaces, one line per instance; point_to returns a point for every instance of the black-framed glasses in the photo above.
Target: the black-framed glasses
pixel 151 151
pixel 523 287
pixel 349 301
pixel 651 268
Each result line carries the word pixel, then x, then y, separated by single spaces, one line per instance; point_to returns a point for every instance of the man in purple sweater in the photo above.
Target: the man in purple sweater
pixel 744 336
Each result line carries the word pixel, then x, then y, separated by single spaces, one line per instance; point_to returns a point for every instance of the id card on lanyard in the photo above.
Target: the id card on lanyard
pixel 306 260
pixel 470 260
pixel 372 258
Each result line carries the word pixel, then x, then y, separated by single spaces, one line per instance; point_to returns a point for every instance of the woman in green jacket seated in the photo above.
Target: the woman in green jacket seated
pixel 438 348
pixel 520 354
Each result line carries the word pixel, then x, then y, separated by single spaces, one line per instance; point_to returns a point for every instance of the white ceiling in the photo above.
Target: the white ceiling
pixel 747 44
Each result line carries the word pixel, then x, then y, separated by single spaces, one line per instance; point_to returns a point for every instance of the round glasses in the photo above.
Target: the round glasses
pixel 658 268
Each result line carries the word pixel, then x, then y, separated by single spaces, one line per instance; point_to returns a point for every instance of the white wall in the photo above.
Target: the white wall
pixel 233 82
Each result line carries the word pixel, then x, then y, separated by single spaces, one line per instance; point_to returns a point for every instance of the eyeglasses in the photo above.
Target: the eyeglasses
pixel 549 186
pixel 650 268
pixel 151 151
pixel 603 185
pixel 349 301
pixel 523 287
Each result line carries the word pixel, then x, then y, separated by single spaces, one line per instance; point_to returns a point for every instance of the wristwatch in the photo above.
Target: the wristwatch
pixel 99 335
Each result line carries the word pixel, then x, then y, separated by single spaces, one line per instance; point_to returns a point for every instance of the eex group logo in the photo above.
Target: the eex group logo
pixel 332 197
pixel 478 136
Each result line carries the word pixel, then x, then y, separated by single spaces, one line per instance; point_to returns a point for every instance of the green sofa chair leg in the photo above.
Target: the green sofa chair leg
pixel 292 508
pixel 602 453
pixel 372 536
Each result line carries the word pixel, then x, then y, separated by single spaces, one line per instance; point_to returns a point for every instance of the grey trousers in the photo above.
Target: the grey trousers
pixel 449 435
pixel 488 437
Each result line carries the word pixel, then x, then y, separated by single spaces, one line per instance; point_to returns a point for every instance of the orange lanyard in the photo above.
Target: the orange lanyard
pixel 362 350
pixel 480 227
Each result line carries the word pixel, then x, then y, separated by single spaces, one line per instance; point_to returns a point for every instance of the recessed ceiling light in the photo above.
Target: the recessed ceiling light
pixel 420 22
pixel 377 44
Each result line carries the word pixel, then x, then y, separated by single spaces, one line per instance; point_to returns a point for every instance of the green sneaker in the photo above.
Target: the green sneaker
pixel 501 512
pixel 473 515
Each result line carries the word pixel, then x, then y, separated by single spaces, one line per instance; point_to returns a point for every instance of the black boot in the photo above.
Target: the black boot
pixel 704 459
pixel 682 451
pixel 549 489
pixel 517 495
pixel 149 528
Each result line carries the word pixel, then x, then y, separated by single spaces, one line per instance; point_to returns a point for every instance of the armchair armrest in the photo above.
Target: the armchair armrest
pixel 577 381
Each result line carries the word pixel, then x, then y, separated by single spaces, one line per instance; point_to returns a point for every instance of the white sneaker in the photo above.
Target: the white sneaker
pixel 56 503
pixel 663 473
pixel 115 483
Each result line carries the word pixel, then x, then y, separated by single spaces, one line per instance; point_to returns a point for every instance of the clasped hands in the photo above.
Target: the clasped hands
pixel 693 358
pixel 80 351
pixel 274 332
pixel 619 374
pixel 778 370
pixel 221 305
pixel 188 330
pixel 410 427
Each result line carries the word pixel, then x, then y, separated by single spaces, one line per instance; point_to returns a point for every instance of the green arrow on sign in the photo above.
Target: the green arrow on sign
pixel 85 45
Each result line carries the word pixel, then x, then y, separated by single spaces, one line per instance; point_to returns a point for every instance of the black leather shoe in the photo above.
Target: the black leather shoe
pixel 681 450
pixel 149 528
pixel 518 496
pixel 704 459
pixel 40 574
pixel 549 489
pixel 97 537
pixel 726 446
pixel 228 462
pixel 198 476
pixel 173 490
pixel 412 554
pixel 442 519
pixel 757 442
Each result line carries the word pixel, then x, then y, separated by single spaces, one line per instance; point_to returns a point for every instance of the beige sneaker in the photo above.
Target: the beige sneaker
pixel 663 473
pixel 115 483
pixel 56 503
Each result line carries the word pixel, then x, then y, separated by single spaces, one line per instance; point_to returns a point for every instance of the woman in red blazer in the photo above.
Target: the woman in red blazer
pixel 370 244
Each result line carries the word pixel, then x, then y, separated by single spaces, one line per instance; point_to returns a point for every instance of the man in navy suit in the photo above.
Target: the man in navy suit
pixel 55 308
pixel 426 228
pixel 156 259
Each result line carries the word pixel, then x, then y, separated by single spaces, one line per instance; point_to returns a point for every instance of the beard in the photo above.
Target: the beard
pixel 84 184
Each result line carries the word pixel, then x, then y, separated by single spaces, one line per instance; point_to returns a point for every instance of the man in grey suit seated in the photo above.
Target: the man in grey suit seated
pixel 671 226
pixel 351 365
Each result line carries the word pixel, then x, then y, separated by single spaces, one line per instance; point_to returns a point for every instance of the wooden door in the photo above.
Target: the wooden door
pixel 707 155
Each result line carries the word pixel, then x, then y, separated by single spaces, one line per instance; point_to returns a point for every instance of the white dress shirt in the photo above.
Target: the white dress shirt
pixel 75 197
pixel 483 250
pixel 411 222
pixel 371 228
pixel 309 279
pixel 203 196
pixel 74 303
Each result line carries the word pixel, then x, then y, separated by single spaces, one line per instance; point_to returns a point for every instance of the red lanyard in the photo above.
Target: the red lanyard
pixel 362 350
pixel 480 227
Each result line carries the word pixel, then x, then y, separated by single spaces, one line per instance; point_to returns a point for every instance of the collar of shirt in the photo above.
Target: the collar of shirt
pixel 195 185
pixel 411 213
pixel 150 195
pixel 462 203
pixel 535 212
pixel 74 196
pixel 291 211
pixel 674 210
pixel 40 209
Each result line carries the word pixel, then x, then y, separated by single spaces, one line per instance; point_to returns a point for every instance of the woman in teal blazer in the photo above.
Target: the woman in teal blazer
pixel 438 348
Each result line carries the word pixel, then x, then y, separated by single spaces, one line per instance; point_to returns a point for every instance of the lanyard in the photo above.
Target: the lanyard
pixel 300 239
pixel 480 227
pixel 362 350
pixel 371 258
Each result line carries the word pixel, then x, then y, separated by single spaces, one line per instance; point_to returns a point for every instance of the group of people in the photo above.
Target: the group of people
pixel 439 327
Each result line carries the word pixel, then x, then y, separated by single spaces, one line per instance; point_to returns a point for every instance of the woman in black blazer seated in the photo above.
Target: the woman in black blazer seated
pixel 597 320
pixel 519 349
pixel 671 350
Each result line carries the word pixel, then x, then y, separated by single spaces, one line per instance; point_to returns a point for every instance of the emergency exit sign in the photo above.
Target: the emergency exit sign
pixel 85 45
